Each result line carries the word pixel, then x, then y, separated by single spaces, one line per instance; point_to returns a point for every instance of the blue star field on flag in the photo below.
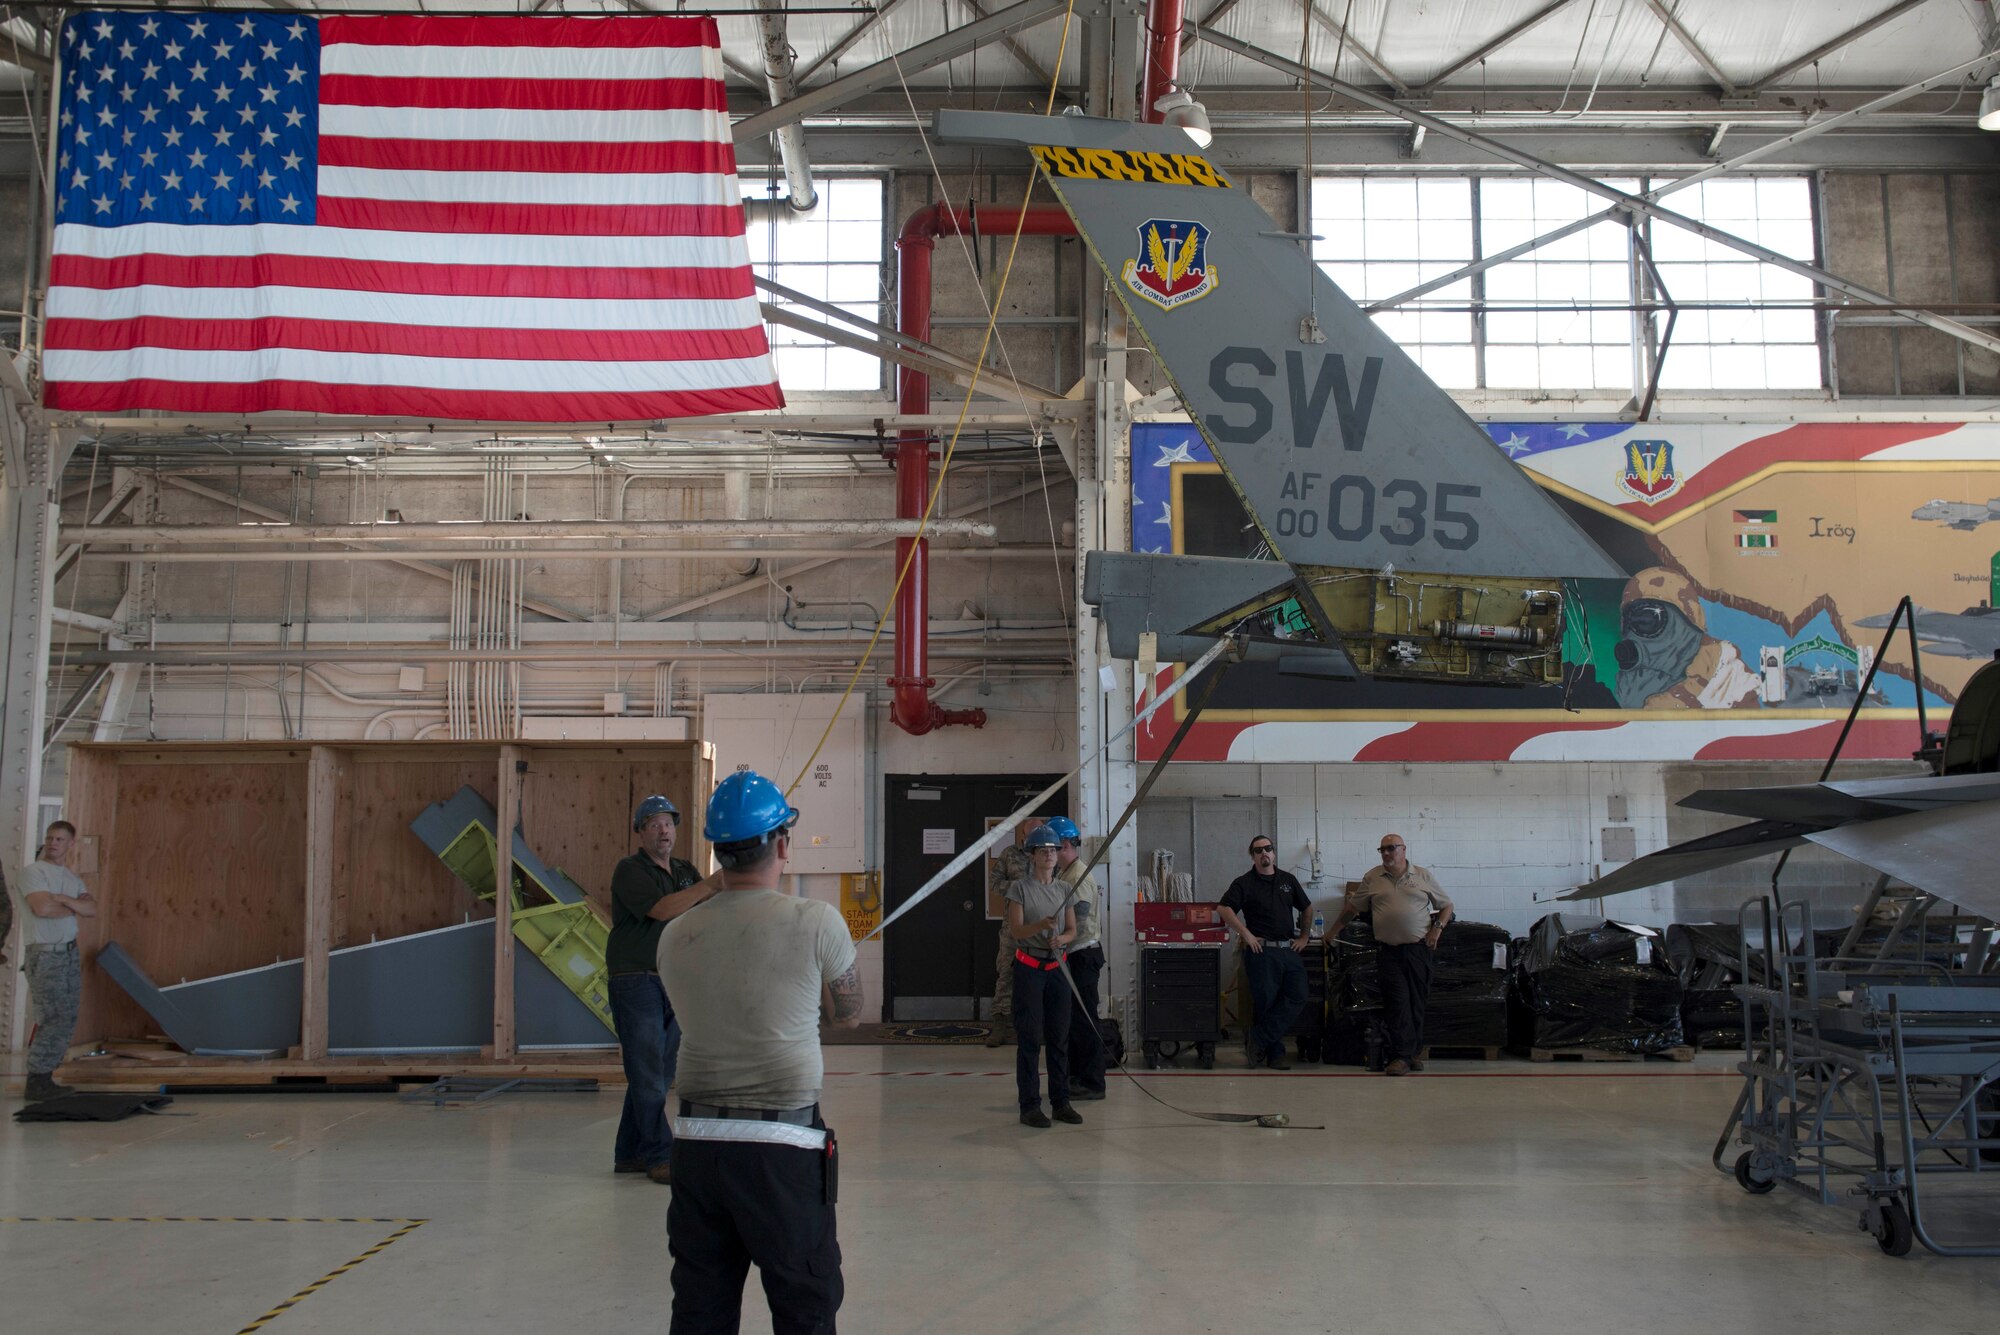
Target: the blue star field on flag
pixel 1522 439
pixel 192 118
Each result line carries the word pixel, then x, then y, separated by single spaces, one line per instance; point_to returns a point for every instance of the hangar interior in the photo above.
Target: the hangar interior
pixel 250 654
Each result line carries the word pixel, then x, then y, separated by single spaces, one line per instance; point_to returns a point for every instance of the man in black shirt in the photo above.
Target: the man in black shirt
pixel 1259 906
pixel 648 889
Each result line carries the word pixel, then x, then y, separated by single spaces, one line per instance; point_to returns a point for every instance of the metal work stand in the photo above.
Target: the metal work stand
pixel 1867 1077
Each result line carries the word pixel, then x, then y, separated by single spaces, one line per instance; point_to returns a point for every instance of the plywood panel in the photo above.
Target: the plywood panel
pixel 90 802
pixel 391 885
pixel 206 874
pixel 577 816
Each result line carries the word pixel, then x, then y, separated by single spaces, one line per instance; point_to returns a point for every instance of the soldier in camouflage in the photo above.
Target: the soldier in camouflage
pixel 54 898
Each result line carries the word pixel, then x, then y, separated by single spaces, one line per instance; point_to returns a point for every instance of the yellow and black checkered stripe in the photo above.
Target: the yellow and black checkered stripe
pixel 406 1227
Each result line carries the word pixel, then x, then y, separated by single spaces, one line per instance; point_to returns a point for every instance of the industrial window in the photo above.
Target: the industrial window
pixel 1758 330
pixel 833 253
pixel 1381 235
pixel 1560 318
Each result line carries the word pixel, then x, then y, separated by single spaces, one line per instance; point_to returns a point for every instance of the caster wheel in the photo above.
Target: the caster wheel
pixel 1746 1180
pixel 1893 1234
pixel 1205 1056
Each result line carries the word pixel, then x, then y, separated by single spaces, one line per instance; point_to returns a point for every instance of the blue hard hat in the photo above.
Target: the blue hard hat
pixel 652 807
pixel 1065 829
pixel 746 807
pixel 1044 836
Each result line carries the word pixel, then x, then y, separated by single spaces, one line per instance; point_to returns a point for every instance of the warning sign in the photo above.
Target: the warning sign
pixel 861 902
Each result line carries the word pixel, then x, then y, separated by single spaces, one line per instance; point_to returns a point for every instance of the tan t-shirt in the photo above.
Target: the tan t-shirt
pixel 47 878
pixel 1402 905
pixel 1085 903
pixel 743 971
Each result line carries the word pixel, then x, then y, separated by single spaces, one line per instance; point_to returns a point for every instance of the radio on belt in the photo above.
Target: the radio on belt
pixel 1179 924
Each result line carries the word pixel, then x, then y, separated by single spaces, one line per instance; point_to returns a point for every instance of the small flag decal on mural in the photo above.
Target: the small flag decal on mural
pixel 1757 542
pixel 1756 516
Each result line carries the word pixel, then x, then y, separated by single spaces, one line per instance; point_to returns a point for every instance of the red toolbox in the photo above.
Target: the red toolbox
pixel 1179 924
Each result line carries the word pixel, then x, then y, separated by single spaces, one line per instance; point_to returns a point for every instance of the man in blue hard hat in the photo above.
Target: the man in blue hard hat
pixel 756 1170
pixel 648 890
pixel 1042 922
pixel 1086 964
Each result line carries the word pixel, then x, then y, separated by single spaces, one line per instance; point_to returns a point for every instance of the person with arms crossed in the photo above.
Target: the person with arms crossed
pixel 756 1170
pixel 1086 964
pixel 1409 913
pixel 53 898
pixel 1259 907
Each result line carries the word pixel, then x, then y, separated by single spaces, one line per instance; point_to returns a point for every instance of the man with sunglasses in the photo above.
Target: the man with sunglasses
pixel 1409 913
pixel 1259 907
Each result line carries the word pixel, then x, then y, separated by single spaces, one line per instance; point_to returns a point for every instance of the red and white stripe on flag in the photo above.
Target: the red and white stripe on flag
pixel 516 219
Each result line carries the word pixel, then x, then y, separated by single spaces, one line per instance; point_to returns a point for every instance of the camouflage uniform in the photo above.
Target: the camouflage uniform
pixel 1002 871
pixel 55 982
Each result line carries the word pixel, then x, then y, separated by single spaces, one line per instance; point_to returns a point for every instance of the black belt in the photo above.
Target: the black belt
pixel 796 1116
pixel 635 973
pixel 51 945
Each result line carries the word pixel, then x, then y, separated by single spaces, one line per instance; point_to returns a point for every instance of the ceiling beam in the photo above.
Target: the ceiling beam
pixel 1473 57
pixel 1628 203
pixel 1741 160
pixel 1825 49
pixel 846 43
pixel 925 55
pixel 1214 15
pixel 1354 44
pixel 1686 39
pixel 1043 79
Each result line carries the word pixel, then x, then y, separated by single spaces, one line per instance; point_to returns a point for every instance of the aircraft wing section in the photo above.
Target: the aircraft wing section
pixel 1345 452
pixel 1810 804
pixel 1922 792
pixel 1695 856
pixel 1948 852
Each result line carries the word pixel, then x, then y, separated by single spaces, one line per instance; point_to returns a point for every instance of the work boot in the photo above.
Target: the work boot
pixel 1085 1095
pixel 1279 1061
pixel 1036 1118
pixel 999 1036
pixel 1069 1115
pixel 1397 1067
pixel 1416 1063
pixel 661 1172
pixel 628 1166
pixel 40 1087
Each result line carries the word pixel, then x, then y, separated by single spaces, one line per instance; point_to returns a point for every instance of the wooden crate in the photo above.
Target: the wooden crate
pixel 211 857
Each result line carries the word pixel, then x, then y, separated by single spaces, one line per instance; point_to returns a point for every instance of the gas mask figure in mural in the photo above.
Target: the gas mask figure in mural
pixel 1666 659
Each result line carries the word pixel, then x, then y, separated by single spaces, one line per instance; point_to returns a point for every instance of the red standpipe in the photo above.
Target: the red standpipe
pixel 912 707
pixel 1163 55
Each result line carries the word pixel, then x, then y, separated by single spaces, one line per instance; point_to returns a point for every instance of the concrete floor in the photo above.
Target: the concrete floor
pixel 1479 1197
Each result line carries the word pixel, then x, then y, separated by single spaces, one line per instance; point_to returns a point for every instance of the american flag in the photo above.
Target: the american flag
pixel 518 219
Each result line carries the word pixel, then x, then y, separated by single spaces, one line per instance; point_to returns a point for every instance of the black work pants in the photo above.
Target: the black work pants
pixel 1086 1045
pixel 1406 986
pixel 735 1203
pixel 1041 1022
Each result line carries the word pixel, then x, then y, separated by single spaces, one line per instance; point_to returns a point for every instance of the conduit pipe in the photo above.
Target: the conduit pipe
pixel 778 76
pixel 1163 57
pixel 912 708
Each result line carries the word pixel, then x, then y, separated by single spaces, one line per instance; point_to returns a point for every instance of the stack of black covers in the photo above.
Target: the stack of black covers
pixel 1705 956
pixel 1600 986
pixel 1468 1001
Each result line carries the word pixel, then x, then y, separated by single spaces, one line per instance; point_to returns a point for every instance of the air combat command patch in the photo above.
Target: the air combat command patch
pixel 1173 267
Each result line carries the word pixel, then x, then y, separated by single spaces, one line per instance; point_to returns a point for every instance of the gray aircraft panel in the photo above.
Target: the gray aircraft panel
pixel 1694 856
pixel 1345 452
pixel 1947 852
pixel 1135 592
pixel 1827 804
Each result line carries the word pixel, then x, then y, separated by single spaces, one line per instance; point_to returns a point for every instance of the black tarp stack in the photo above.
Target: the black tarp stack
pixel 1602 985
pixel 1468 1000
pixel 1707 958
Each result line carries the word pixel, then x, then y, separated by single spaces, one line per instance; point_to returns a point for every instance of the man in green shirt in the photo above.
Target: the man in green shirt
pixel 648 889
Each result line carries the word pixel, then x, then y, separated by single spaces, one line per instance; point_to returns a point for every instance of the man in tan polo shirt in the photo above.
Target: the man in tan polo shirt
pixel 1409 913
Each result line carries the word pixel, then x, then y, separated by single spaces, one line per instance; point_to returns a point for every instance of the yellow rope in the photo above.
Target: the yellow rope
pixel 958 427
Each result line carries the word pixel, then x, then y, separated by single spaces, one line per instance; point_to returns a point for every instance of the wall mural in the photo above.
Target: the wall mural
pixel 1763 562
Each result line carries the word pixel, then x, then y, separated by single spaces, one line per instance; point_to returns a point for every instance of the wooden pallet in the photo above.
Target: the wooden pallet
pixel 1461 1052
pixel 1679 1054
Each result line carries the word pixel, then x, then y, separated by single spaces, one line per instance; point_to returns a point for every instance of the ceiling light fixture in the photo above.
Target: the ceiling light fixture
pixel 1989 106
pixel 1179 109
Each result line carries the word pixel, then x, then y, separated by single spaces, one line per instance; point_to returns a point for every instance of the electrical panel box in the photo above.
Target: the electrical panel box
pixel 774 734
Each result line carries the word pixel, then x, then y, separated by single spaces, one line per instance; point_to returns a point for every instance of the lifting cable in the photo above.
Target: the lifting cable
pixel 958 429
